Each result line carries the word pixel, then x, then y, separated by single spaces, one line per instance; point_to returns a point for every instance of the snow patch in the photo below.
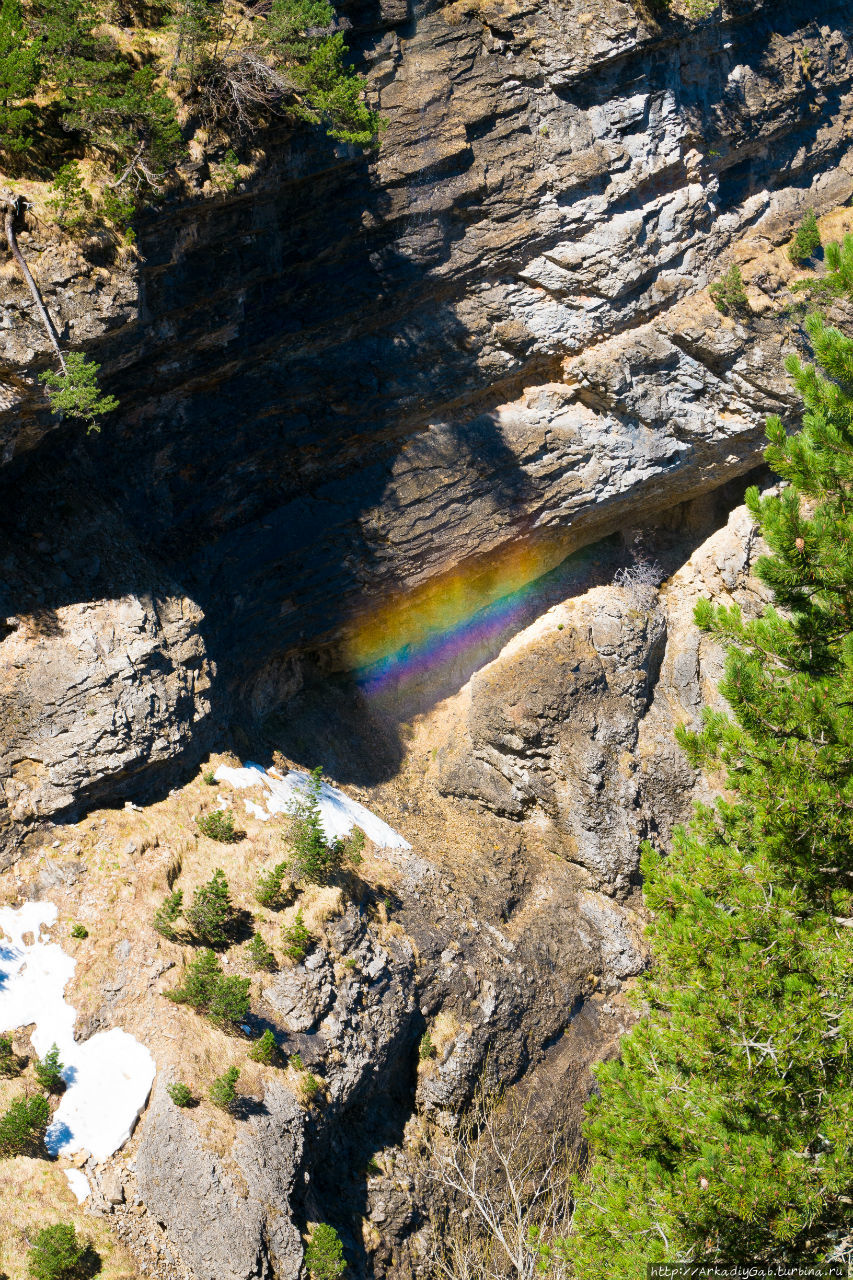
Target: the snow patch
pixel 79 1184
pixel 339 813
pixel 108 1076
pixel 257 811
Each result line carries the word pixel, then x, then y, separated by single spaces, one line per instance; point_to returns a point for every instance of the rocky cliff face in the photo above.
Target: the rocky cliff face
pixel 355 376
pixel 508 932
pixel 366 402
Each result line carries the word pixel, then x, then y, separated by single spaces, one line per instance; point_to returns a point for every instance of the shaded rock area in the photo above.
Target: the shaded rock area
pixel 503 933
pixel 490 348
pixel 366 399
pixel 569 730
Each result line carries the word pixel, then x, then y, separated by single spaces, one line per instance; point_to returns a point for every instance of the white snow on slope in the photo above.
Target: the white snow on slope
pixel 109 1076
pixel 339 813
pixel 79 1184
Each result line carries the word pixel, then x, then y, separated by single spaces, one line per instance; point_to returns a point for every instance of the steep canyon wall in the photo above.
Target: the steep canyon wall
pixel 357 375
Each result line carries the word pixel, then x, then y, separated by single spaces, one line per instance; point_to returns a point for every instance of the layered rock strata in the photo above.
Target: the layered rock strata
pixel 355 374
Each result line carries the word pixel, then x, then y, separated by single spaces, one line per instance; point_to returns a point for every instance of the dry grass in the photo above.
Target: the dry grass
pixel 34 1194
pixel 127 858
pixel 444 1030
pixel 320 904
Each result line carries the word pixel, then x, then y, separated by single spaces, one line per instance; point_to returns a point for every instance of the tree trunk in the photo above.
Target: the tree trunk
pixel 11 203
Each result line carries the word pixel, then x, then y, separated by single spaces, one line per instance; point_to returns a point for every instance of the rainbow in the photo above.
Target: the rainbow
pixel 461 618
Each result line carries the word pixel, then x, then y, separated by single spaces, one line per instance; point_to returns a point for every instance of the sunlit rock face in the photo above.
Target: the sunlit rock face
pixel 370 407
pixel 466 353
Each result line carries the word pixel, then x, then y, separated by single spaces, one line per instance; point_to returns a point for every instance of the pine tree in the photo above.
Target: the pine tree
pixel 261 955
pixel 317 859
pixel 58 1253
pixel 10 1063
pixel 117 108
pixel 76 392
pixel 806 239
pixel 180 1093
pixel 725 1130
pixel 168 912
pixel 335 95
pixel 324 1257
pixel 838 281
pixel 70 201
pixel 297 939
pixel 230 1003
pixel 19 73
pixel 200 981
pixel 49 1071
pixel 200 25
pixel 265 1049
pixel 211 915
pixel 23 1126
pixel 223 1094
pixel 270 890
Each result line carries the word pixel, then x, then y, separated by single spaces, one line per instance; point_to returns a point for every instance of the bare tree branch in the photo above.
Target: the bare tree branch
pixel 508 1183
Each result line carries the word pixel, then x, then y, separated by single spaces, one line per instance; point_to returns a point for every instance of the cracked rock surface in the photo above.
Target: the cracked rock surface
pixel 354 377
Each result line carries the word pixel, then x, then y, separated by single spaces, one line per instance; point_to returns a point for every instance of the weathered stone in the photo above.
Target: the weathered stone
pixel 550 725
pixel 483 347
pixel 218 1230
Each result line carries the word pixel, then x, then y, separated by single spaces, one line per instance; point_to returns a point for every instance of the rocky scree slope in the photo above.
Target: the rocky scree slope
pixel 356 373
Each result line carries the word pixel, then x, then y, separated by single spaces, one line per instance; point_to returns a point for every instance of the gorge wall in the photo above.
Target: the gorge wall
pixel 390 425
pixel 361 394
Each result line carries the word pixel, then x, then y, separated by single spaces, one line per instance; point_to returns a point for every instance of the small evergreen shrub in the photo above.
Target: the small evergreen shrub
pixel 297 939
pixel 10 1063
pixel 316 859
pixel 168 912
pixel 58 1253
pixel 265 1049
pixel 223 1093
pixel 118 209
pixel 76 393
pixel 211 916
pixel 19 73
pixel 806 239
pixel 226 174
pixel 261 956
pixel 324 1256
pixel 200 981
pixel 270 891
pixel 230 1003
pixel 219 825
pixel 296 1062
pixel 79 931
pixel 206 989
pixel 311 1086
pixel 729 295
pixel 351 963
pixel 23 1125
pixel 426 1048
pixel 209 778
pixel 838 281
pixel 70 201
pixel 49 1071
pixel 180 1093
